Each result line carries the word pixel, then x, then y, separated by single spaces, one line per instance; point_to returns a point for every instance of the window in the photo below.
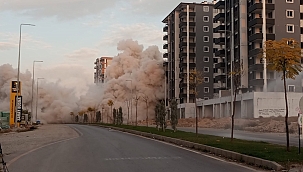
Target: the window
pixel 206 59
pixel 206 79
pixel 215 60
pixel 206 19
pixel 291 88
pixel 215 70
pixel 301 15
pixel 206 39
pixel 206 8
pixel 206 90
pixel 206 98
pixel 290 28
pixel 289 1
pixel 205 29
pixel 290 13
pixel 206 69
pixel 206 49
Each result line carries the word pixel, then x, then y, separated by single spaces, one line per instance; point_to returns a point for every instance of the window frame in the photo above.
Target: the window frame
pixel 205 37
pixel 204 69
pixel 293 28
pixel 205 57
pixel 207 18
pixel 207 78
pixel 206 8
pixel 205 89
pixel 204 27
pixel 205 50
pixel 294 87
pixel 293 14
pixel 289 1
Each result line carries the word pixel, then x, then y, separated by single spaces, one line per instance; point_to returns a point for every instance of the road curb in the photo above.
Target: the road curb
pixel 250 160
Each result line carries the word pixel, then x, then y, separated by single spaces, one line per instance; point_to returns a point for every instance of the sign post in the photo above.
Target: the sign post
pixel 13 94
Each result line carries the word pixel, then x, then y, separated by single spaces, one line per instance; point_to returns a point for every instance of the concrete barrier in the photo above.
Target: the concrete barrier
pixel 250 160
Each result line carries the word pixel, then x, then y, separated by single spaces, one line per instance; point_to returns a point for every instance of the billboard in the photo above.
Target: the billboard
pixel 13 95
pixel 18 104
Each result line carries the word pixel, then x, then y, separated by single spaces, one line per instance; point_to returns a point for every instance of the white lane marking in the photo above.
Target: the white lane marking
pixel 18 157
pixel 142 158
pixel 191 150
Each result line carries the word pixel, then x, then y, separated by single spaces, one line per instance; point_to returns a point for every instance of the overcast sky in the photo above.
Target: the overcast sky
pixel 71 34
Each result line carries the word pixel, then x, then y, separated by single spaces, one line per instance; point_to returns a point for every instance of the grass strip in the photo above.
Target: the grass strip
pixel 262 150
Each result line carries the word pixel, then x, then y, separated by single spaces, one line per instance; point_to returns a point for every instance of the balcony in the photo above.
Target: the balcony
pixel 191 23
pixel 254 52
pixel 182 75
pixel 219 17
pixel 219 41
pixel 191 55
pixel 255 82
pixel 184 44
pixel 220 28
pixel 220 53
pixel 219 5
pixel 165 55
pixel 256 67
pixel 165 28
pixel 257 8
pixel 165 46
pixel 165 37
pixel 259 36
pixel 217 90
pixel 192 96
pixel 220 65
pixel 185 14
pixel 258 22
pixel 184 65
pixel 184 34
pixel 220 77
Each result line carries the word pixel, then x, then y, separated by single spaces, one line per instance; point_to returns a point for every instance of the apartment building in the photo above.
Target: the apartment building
pixel 100 67
pixel 243 29
pixel 189 43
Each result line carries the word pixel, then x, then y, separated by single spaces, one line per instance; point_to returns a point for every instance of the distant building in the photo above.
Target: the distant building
pixel 100 67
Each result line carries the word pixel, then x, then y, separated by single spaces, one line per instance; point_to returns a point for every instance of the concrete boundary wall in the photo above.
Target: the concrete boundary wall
pixel 250 160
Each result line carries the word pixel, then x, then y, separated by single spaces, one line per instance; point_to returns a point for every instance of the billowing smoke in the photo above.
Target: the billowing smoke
pixel 133 73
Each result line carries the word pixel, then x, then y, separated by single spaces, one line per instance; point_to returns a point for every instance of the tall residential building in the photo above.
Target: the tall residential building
pixel 244 26
pixel 100 68
pixel 189 35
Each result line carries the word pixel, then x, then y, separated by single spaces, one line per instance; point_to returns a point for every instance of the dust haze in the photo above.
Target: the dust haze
pixel 134 73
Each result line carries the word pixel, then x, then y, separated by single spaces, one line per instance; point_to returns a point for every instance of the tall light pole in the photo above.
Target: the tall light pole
pixel 18 74
pixel 37 98
pixel 33 82
pixel 131 100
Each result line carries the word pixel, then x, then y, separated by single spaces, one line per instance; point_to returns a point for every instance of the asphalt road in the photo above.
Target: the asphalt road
pixel 276 138
pixel 105 150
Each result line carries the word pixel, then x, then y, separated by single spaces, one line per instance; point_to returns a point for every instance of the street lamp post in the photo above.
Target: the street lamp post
pixel 33 82
pixel 18 74
pixel 37 97
pixel 131 100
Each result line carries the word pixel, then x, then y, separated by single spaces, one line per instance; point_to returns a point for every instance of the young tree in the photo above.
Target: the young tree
pixel 128 105
pixel 174 114
pixel 145 99
pixel 157 115
pixel 110 103
pixel 77 118
pixel 85 118
pixel 195 79
pixel 120 116
pixel 162 114
pixel 115 117
pixel 72 115
pixel 284 56
pixel 90 110
pixel 136 98
pixel 236 75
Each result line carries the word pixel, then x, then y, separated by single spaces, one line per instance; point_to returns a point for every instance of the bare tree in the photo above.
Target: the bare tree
pixel 145 99
pixel 136 98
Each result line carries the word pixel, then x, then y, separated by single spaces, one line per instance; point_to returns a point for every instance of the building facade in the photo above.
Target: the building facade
pixel 244 30
pixel 189 44
pixel 100 67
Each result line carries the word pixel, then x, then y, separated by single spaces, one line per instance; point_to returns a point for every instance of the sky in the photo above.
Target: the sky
pixel 70 34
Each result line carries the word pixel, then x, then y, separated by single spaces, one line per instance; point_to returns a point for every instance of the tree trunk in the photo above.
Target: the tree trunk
pixel 136 114
pixel 146 115
pixel 286 115
pixel 233 116
pixel 196 117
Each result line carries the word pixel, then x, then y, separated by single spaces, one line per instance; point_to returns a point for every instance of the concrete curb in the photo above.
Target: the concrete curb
pixel 250 160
